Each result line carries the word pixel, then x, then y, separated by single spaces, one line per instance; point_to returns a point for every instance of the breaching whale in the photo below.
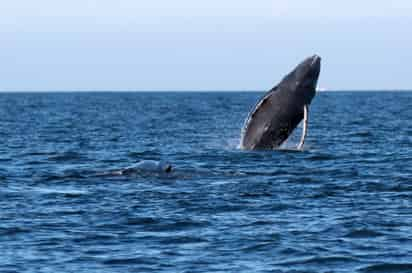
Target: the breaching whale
pixel 282 108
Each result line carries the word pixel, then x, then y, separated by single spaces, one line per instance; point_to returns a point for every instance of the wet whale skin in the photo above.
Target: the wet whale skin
pixel 280 110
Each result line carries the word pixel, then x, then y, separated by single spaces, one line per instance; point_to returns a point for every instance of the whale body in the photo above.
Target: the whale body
pixel 282 108
pixel 146 166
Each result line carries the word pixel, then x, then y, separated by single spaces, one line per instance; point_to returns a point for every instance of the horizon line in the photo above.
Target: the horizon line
pixel 189 90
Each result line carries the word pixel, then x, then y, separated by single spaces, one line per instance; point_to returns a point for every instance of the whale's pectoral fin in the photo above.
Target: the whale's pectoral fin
pixel 305 126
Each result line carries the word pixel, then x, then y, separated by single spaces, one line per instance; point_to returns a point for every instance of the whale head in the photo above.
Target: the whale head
pixel 303 79
pixel 165 167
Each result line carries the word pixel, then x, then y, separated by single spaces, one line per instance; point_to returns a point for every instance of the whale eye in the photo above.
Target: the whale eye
pixel 168 168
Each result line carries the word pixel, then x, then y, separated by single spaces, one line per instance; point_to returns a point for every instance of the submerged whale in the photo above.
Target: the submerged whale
pixel 282 108
pixel 145 166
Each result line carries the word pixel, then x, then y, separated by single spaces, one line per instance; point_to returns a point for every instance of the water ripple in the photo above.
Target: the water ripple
pixel 343 204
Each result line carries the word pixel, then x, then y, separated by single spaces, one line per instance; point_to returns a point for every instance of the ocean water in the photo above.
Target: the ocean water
pixel 344 204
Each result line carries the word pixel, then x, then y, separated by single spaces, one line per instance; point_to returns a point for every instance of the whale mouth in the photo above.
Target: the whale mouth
pixel 315 60
pixel 308 74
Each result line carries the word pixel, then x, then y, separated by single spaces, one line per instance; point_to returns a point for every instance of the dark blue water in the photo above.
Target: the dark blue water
pixel 344 204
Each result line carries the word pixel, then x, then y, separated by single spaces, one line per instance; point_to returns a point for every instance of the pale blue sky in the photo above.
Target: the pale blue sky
pixel 202 45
